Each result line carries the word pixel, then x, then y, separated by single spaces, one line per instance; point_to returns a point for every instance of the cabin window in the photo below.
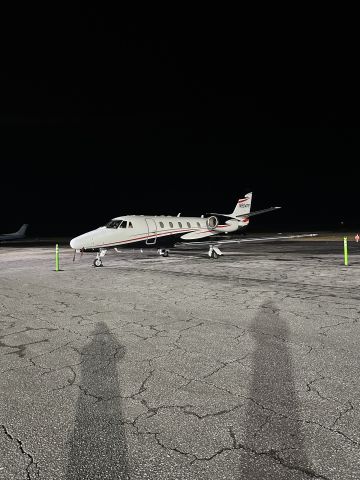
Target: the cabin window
pixel 161 224
pixel 130 225
pixel 171 224
pixel 113 224
pixel 123 224
pixel 180 224
pixel 188 224
pixel 198 224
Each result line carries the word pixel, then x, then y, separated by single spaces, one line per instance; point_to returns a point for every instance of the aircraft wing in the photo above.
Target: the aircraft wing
pixel 215 242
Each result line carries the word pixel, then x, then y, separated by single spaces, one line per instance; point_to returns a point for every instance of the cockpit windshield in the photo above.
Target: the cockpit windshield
pixel 114 223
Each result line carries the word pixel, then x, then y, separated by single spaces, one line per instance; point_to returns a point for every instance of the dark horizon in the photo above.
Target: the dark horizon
pixel 70 230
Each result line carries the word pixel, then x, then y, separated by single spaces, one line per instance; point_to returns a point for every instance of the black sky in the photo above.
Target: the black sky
pixel 105 113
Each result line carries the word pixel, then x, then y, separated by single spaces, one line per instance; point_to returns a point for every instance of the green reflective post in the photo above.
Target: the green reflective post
pixel 345 252
pixel 57 258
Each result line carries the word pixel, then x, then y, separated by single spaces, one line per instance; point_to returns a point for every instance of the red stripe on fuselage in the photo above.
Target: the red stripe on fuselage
pixel 149 236
pixel 124 242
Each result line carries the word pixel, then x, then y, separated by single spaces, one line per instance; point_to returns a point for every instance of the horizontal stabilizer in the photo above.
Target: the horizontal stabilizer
pixel 250 214
pixel 258 212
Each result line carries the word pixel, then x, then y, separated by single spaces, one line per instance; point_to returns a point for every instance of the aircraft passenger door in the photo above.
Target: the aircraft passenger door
pixel 152 231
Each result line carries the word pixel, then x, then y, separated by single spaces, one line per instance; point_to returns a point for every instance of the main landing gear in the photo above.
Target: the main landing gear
pixel 163 252
pixel 98 260
pixel 214 252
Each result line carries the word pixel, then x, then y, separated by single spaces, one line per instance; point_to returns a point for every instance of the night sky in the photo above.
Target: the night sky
pixel 104 113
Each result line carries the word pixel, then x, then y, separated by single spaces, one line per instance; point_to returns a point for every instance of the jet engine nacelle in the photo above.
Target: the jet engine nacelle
pixel 212 222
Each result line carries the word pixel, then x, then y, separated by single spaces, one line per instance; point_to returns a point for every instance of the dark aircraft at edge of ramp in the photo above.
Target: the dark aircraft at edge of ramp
pixel 15 235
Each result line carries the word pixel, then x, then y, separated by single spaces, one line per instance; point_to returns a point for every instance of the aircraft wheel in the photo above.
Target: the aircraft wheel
pixel 97 262
pixel 214 255
pixel 166 253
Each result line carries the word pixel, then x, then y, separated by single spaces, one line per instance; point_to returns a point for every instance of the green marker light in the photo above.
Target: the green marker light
pixel 345 252
pixel 57 258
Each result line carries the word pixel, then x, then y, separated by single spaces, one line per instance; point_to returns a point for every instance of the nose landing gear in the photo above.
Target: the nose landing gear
pixel 98 260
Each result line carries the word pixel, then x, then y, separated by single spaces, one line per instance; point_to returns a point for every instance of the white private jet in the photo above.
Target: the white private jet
pixel 162 232
pixel 15 235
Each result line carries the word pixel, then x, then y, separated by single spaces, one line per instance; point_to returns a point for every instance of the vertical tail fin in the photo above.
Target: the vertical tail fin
pixel 243 205
pixel 22 229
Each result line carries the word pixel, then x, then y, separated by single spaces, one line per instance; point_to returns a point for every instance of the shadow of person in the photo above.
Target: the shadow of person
pixel 273 440
pixel 98 445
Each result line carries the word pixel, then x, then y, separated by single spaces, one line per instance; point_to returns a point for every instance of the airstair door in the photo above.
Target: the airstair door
pixel 152 231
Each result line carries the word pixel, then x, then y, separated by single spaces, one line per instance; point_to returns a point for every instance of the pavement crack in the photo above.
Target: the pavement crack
pixel 271 453
pixel 143 387
pixel 328 327
pixel 20 348
pixel 86 392
pixel 225 364
pixel 28 329
pixel 344 412
pixel 267 409
pixel 266 422
pixel 70 381
pixel 32 469
pixel 310 388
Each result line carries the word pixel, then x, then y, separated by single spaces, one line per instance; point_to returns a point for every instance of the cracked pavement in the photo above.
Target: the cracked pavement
pixel 181 367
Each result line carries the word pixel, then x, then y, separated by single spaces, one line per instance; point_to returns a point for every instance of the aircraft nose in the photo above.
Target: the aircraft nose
pixel 75 243
pixel 82 241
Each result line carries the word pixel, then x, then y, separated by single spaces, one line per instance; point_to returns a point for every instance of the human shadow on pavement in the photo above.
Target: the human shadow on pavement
pixel 98 446
pixel 274 441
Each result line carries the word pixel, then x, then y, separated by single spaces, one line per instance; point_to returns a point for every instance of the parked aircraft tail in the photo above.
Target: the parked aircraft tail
pixel 22 229
pixel 242 209
pixel 243 206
